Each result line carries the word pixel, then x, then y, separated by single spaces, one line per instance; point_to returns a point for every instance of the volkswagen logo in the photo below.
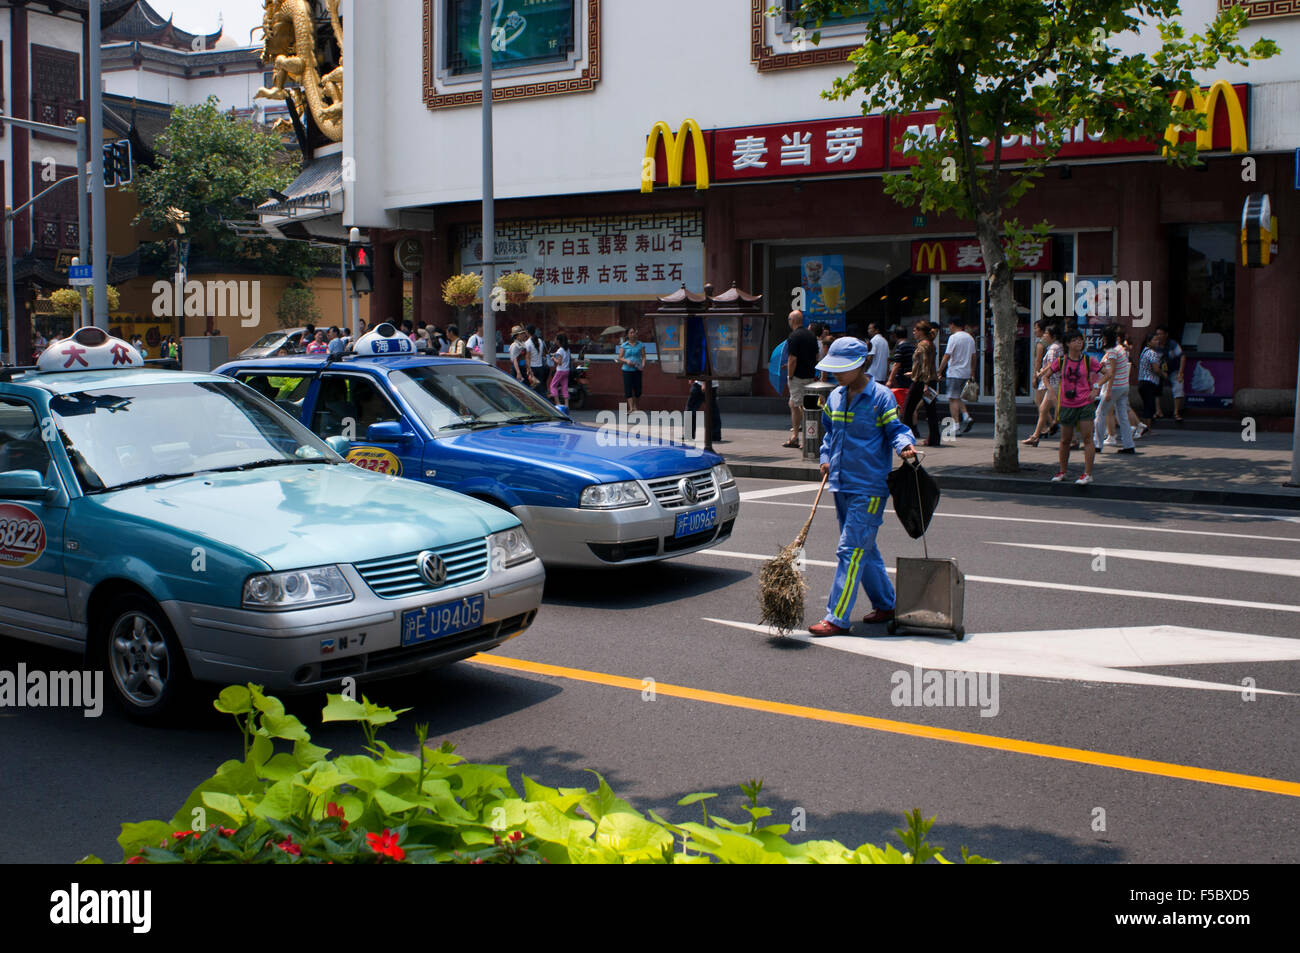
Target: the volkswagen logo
pixel 689 493
pixel 432 569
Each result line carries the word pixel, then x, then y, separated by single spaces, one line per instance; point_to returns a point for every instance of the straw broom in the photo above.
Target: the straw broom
pixel 781 586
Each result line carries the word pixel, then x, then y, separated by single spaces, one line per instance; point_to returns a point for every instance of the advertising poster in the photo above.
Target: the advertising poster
pixel 823 281
pixel 1208 382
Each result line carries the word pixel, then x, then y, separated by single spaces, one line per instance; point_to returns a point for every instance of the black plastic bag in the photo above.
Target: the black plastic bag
pixel 916 495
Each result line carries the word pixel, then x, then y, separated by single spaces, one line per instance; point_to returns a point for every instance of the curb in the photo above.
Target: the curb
pixel 1096 491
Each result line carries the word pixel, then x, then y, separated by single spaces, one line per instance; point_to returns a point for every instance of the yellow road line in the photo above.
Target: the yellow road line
pixel 1057 752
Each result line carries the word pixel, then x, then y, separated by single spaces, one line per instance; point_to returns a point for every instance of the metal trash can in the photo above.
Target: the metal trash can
pixel 814 398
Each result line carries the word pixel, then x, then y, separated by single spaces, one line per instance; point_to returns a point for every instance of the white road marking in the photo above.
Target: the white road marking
pixel 1062 587
pixel 779 491
pixel 1108 525
pixel 1259 564
pixel 1083 655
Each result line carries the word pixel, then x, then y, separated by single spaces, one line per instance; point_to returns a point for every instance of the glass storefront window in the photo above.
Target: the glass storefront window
pixel 1203 286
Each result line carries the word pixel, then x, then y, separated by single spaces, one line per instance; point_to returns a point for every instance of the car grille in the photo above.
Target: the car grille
pixel 669 494
pixel 397 576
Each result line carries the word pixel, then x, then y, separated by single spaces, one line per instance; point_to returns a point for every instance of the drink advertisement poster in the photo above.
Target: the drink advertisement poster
pixel 823 282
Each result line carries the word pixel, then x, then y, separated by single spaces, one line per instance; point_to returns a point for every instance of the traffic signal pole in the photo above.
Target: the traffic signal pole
pixel 99 220
pixel 489 212
pixel 83 240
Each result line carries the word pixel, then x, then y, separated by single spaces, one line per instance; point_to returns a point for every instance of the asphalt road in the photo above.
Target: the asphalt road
pixel 1117 729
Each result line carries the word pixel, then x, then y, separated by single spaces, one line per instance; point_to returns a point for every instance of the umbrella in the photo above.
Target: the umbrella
pixel 776 368
pixel 614 329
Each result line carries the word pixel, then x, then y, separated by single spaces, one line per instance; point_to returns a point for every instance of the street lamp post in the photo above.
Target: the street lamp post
pixel 98 207
pixel 489 212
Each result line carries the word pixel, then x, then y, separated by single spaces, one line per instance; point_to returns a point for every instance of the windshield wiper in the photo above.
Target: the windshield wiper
pixel 472 424
pixel 263 464
pixel 143 482
pixel 531 418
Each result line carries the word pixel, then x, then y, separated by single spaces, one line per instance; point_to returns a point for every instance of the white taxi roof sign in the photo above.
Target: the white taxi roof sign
pixel 88 349
pixel 383 340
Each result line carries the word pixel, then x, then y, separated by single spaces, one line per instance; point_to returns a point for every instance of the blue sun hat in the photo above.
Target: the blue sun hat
pixel 846 354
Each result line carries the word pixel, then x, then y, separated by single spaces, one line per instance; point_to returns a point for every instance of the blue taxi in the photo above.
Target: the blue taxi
pixel 179 526
pixel 586 497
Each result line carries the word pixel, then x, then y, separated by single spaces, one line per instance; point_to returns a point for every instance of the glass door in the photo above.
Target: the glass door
pixel 959 296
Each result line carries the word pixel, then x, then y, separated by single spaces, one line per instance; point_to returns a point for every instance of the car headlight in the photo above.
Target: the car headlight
pixel 301 589
pixel 722 476
pixel 612 496
pixel 510 548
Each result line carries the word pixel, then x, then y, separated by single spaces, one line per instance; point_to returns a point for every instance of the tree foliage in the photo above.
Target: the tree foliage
pixel 1001 68
pixel 208 160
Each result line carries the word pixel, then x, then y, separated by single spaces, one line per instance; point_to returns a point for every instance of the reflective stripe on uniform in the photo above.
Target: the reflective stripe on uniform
pixel 850 584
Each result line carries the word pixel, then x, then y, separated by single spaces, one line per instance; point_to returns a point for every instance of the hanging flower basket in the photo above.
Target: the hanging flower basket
pixel 461 291
pixel 518 287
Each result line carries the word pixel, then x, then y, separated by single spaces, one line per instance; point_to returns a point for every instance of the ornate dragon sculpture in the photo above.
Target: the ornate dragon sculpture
pixel 289 48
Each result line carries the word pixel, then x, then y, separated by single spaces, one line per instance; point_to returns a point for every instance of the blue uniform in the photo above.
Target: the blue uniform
pixel 862 435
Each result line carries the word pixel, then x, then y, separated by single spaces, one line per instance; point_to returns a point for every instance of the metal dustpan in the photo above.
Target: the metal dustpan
pixel 930 595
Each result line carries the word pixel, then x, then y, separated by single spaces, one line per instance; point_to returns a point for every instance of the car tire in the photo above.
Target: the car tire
pixel 144 664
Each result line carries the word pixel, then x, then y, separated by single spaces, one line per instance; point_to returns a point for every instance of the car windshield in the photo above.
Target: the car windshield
pixel 270 340
pixel 469 394
pixel 118 437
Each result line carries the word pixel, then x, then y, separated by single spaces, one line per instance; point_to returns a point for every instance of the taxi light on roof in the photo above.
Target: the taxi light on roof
pixel 384 339
pixel 88 349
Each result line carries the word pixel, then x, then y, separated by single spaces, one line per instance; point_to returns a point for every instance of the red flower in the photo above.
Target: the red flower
pixel 225 832
pixel 289 847
pixel 385 845
pixel 181 835
pixel 333 810
pixel 516 836
pixel 137 859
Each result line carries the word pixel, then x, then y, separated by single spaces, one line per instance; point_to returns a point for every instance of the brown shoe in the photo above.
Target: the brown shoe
pixel 878 616
pixel 823 629
pixel 792 443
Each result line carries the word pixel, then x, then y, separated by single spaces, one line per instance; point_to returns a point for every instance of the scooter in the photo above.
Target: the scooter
pixel 577 386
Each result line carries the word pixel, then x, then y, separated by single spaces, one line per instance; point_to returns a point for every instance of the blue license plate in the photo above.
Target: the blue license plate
pixel 447 618
pixel 697 522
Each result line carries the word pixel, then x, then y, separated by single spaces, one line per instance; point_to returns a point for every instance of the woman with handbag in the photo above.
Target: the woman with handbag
pixel 1052 384
pixel 925 376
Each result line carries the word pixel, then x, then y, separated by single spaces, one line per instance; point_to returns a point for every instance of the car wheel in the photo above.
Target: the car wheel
pixel 145 664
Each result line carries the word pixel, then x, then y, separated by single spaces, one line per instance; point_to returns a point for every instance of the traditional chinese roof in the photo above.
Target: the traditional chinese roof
pixel 110 11
pixel 143 23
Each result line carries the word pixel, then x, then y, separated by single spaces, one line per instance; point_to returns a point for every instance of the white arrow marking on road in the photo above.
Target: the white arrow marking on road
pixel 1261 564
pixel 1059 586
pixel 1082 655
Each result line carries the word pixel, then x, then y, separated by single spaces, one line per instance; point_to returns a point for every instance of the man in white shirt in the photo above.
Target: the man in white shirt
pixel 878 363
pixel 959 362
pixel 474 346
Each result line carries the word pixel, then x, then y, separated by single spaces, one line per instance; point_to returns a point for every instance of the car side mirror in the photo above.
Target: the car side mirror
pixel 387 431
pixel 23 485
pixel 340 445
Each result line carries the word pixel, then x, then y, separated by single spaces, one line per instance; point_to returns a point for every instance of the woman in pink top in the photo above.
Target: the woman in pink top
pixel 1078 391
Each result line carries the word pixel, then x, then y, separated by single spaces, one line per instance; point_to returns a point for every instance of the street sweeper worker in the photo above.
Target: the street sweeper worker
pixel 863 431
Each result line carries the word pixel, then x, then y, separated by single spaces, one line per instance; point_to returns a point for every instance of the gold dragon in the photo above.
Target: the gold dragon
pixel 289 48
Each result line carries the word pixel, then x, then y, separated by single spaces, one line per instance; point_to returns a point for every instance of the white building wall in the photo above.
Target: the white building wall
pixel 662 61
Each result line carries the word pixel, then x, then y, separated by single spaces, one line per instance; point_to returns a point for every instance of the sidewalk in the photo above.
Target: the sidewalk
pixel 1172 465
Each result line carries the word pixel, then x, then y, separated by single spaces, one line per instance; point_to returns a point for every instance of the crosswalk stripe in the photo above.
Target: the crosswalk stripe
pixel 1058 586
pixel 1260 564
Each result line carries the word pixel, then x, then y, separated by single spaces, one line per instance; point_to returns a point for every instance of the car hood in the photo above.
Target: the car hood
pixel 297 516
pixel 594 454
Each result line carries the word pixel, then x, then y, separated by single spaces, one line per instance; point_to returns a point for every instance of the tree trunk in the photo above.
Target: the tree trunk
pixel 1006 451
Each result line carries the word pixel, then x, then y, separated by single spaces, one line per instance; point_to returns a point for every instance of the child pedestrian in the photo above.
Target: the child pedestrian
pixel 560 381
pixel 862 427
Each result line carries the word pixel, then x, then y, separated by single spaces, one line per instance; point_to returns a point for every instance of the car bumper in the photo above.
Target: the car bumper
pixel 565 536
pixel 306 649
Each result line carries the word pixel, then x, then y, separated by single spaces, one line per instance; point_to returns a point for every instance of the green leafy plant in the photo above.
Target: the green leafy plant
pixel 302 806
pixel 68 301
pixel 297 307
pixel 460 291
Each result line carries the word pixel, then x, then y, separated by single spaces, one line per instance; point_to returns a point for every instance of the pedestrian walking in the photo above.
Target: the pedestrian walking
pixel 1115 370
pixel 1079 385
pixel 863 431
pixel 801 369
pixel 560 359
pixel 1040 349
pixel 1175 364
pixel 520 349
pixel 537 362
pixel 880 351
pixel 474 346
pixel 958 362
pixel 1050 384
pixel 924 377
pixel 1151 373
pixel 900 362
pixel 631 354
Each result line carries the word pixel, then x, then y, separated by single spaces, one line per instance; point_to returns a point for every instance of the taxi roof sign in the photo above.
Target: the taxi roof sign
pixel 383 340
pixel 88 349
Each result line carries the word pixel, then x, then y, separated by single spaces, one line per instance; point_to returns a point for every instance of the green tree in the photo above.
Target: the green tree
pixel 208 159
pixel 998 68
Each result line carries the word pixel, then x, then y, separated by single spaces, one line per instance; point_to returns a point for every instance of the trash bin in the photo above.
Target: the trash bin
pixel 814 398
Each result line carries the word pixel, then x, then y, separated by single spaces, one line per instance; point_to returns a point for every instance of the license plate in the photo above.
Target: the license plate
pixel 696 522
pixel 447 618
